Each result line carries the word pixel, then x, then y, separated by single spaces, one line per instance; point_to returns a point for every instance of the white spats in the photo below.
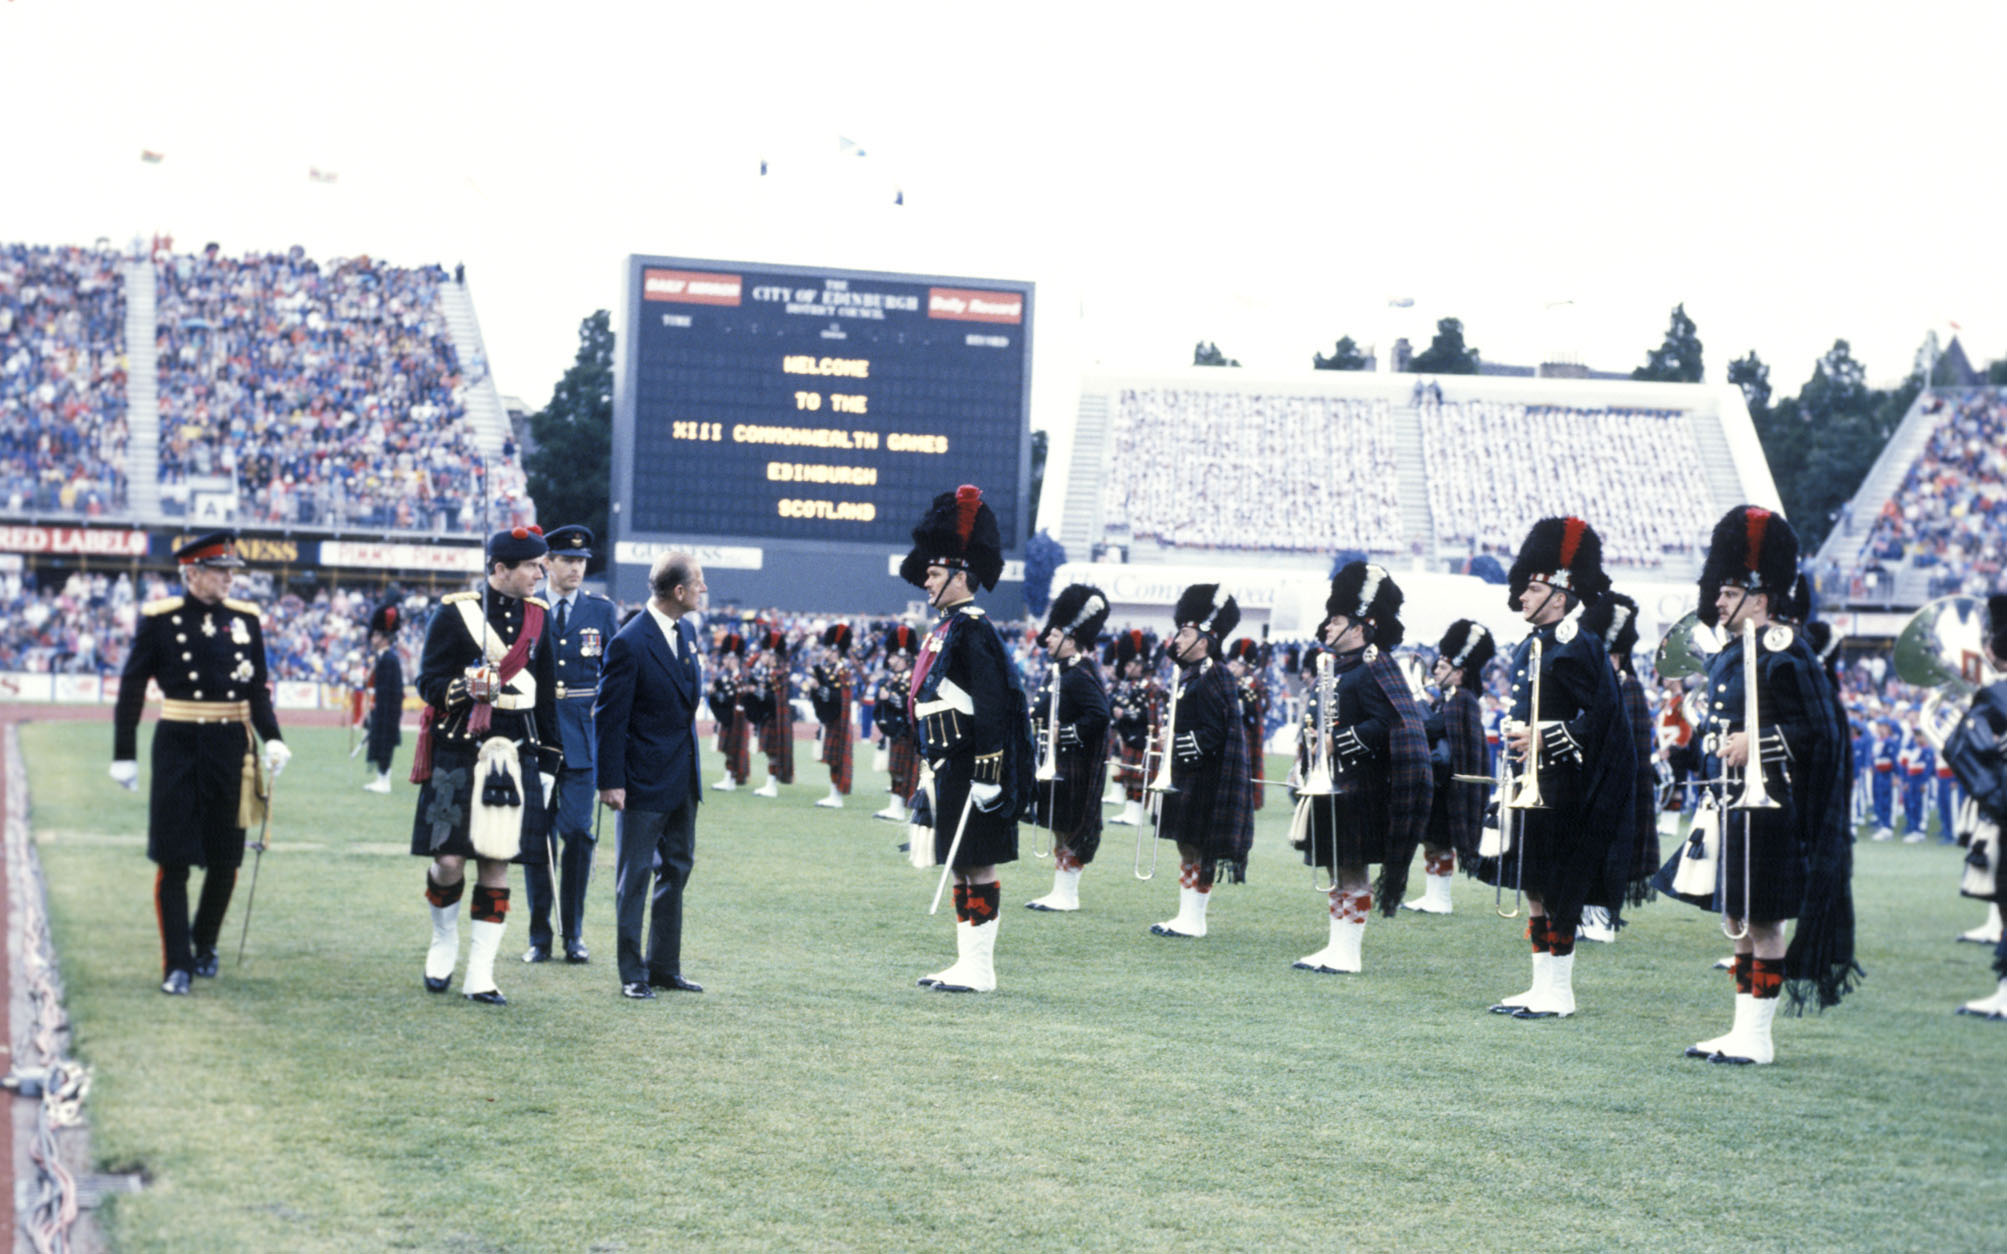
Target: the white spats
pixel 1994 1007
pixel 1987 933
pixel 1744 1003
pixel 834 801
pixel 1435 898
pixel 1341 955
pixel 484 940
pixel 894 812
pixel 727 784
pixel 976 971
pixel 961 956
pixel 1749 1043
pixel 1553 992
pixel 444 954
pixel 768 789
pixel 1065 894
pixel 381 784
pixel 1510 1005
pixel 1132 814
pixel 1190 921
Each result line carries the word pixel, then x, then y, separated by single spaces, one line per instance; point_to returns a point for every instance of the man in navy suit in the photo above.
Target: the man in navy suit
pixel 648 774
pixel 582 624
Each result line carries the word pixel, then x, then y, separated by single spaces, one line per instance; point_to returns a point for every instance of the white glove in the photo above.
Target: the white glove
pixel 276 757
pixel 985 795
pixel 126 775
pixel 550 788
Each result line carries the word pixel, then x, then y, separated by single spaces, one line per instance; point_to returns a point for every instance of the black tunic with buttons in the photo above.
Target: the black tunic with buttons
pixel 195 651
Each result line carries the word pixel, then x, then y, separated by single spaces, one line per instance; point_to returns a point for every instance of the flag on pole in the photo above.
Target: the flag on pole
pixel 151 157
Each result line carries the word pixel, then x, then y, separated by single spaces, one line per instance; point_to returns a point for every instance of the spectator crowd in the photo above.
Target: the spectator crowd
pixel 1950 514
pixel 62 380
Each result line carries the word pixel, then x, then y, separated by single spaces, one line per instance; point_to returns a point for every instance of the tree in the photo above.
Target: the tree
pixel 1753 377
pixel 1345 355
pixel 1207 353
pixel 1446 353
pixel 1043 556
pixel 1038 447
pixel 1678 359
pixel 1996 372
pixel 1821 442
pixel 570 473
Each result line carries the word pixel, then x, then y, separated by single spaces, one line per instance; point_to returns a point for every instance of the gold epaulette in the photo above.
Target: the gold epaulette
pixel 973 611
pixel 162 606
pixel 244 607
pixel 539 602
pixel 454 598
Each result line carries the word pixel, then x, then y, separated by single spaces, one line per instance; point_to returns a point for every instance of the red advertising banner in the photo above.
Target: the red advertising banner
pixel 691 287
pixel 89 541
pixel 964 305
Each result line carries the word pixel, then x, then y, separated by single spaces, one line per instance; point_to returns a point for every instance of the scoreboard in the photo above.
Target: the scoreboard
pixel 777 410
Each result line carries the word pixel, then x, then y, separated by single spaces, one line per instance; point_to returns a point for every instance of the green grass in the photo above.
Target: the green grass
pixel 1118 1092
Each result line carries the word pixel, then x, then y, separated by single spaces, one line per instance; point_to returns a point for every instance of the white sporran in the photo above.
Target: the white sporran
pixel 1700 862
pixel 495 826
pixel 1982 863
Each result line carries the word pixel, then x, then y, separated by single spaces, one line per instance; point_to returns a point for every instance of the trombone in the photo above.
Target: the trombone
pixel 1320 782
pixel 1160 784
pixel 1048 767
pixel 1755 788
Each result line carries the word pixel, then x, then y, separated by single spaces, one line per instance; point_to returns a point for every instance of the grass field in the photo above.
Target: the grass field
pixel 1118 1092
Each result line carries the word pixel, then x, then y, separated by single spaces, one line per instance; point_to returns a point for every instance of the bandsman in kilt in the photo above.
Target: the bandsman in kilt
pixel 1562 855
pixel 487 758
pixel 1614 620
pixel 773 681
pixel 1378 756
pixel 902 751
pixel 1455 730
pixel 1977 752
pixel 210 780
pixel 1135 705
pixel 1210 816
pixel 386 684
pixel 1070 806
pixel 726 698
pixel 831 687
pixel 1792 861
pixel 973 728
pixel 1245 659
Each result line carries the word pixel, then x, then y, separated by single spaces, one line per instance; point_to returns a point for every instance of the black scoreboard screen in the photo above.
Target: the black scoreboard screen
pixel 821 405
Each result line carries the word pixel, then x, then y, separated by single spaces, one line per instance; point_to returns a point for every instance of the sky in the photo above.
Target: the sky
pixel 1269 177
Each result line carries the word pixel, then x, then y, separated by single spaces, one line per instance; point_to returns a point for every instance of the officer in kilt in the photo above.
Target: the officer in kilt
pixel 728 711
pixel 1561 855
pixel 1378 757
pixel 1245 659
pixel 1134 706
pixel 487 757
pixel 209 781
pixel 902 751
pixel 1614 620
pixel 973 728
pixel 1977 752
pixel 773 681
pixel 1455 730
pixel 1210 813
pixel 1793 860
pixel 1070 806
pixel 581 626
pixel 386 684
pixel 832 685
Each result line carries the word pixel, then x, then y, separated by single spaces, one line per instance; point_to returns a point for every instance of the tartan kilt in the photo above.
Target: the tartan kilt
pixel 1356 822
pixel 1077 801
pixel 732 744
pixel 1563 863
pixel 1132 778
pixel 1777 869
pixel 445 803
pixel 777 742
pixel 839 749
pixel 903 765
pixel 989 839
pixel 1257 758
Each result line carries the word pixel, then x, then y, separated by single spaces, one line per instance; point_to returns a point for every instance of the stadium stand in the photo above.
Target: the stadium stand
pixel 1946 523
pixel 63 429
pixel 318 396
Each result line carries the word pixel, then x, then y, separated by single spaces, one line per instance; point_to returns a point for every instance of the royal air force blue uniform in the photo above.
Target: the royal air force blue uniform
pixel 580 628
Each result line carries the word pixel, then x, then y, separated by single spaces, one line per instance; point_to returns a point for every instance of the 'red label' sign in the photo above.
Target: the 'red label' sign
pixel 88 541
pixel 963 305
pixel 690 287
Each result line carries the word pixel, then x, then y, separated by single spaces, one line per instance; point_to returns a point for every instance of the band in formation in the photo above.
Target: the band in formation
pixel 535 706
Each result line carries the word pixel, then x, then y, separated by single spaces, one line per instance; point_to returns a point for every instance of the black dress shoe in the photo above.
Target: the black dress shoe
pixel 437 984
pixel 576 952
pixel 493 997
pixel 206 965
pixel 639 991
pixel 676 982
pixel 537 953
pixel 176 984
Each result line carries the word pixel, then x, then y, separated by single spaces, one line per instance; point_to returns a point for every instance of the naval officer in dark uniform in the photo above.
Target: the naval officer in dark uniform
pixel 581 625
pixel 207 653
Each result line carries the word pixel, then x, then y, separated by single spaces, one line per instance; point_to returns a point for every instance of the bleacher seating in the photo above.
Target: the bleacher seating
pixel 1232 470
pixel 1495 468
pixel 62 380
pixel 1949 517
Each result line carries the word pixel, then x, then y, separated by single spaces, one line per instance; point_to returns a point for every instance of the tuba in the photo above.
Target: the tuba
pixel 1943 648
pixel 1685 651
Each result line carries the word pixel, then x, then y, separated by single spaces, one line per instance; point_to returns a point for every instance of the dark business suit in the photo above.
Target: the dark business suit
pixel 645 718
